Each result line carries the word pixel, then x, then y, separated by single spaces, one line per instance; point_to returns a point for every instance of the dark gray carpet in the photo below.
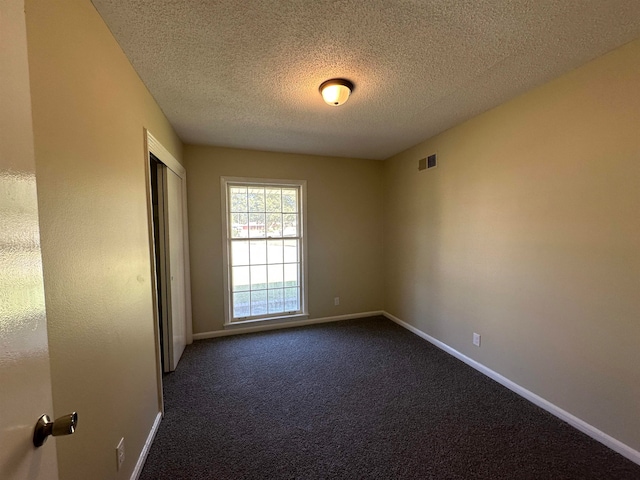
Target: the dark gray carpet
pixel 359 399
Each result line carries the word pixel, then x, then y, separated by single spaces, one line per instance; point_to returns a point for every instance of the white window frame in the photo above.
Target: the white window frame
pixel 225 183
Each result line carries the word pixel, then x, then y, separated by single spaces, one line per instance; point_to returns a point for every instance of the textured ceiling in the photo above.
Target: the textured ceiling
pixel 246 73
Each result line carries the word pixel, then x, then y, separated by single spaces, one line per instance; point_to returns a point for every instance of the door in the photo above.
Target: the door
pixel 25 392
pixel 177 322
pixel 169 244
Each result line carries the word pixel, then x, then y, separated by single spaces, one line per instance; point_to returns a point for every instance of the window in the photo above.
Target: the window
pixel 264 248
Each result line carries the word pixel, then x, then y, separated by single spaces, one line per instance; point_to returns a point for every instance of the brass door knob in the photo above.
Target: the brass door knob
pixel 64 425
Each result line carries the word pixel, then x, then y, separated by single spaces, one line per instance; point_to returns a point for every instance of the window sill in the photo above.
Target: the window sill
pixel 286 318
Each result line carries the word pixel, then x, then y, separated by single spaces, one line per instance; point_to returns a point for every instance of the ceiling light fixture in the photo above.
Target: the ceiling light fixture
pixel 336 91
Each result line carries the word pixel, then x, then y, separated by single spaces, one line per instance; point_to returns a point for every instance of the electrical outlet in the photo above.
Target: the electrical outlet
pixel 120 453
pixel 476 339
pixel 336 301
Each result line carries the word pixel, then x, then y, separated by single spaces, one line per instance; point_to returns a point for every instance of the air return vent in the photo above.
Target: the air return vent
pixel 428 162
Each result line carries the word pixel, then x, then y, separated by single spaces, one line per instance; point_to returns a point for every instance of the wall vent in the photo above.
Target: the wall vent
pixel 428 162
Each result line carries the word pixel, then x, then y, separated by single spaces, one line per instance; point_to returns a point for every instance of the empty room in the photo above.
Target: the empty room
pixel 315 240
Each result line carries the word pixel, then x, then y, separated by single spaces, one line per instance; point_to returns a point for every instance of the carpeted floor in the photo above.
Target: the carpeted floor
pixel 358 399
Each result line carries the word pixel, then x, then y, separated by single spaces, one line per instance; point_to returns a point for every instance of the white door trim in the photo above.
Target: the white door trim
pixel 152 145
pixel 162 154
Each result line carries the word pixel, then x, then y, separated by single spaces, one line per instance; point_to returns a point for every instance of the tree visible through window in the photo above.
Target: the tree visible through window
pixel 264 249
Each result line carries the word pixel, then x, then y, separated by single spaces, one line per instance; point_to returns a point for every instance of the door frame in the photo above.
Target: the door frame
pixel 152 145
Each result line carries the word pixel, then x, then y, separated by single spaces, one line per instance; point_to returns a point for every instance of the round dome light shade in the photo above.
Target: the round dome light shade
pixel 336 91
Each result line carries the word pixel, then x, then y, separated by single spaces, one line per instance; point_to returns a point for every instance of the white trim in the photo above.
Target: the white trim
pixel 148 139
pixel 226 284
pixel 155 147
pixel 162 154
pixel 278 182
pixel 267 319
pixel 584 427
pixel 147 447
pixel 279 325
pixel 187 263
pixel 304 256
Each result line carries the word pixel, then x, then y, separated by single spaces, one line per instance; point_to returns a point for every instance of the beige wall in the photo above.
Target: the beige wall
pixel 89 110
pixel 528 233
pixel 344 205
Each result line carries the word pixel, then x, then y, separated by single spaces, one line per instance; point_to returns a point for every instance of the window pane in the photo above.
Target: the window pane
pixel 240 278
pixel 258 277
pixel 258 252
pixel 291 275
pixel 274 225
pixel 290 224
pixel 290 251
pixel 256 225
pixel 256 199
pixel 238 199
pixel 239 225
pixel 241 304
pixel 289 199
pixel 291 299
pixel 274 251
pixel 276 301
pixel 259 303
pixel 275 276
pixel 274 202
pixel 240 252
pixel 264 259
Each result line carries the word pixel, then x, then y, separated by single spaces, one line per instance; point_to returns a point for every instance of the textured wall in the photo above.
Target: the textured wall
pixel 528 233
pixel 344 221
pixel 89 110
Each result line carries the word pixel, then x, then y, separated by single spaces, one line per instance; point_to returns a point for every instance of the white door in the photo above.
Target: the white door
pixel 25 382
pixel 175 231
pixel 167 202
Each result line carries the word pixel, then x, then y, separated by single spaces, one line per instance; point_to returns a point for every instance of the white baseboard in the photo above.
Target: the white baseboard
pixel 584 427
pixel 147 446
pixel 276 326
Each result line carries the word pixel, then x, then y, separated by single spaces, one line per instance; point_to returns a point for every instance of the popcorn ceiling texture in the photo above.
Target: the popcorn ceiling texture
pixel 245 74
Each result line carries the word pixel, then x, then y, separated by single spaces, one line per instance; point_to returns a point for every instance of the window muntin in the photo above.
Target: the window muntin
pixel 264 249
